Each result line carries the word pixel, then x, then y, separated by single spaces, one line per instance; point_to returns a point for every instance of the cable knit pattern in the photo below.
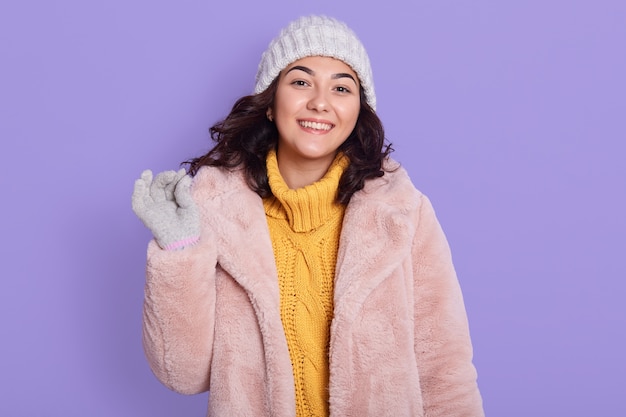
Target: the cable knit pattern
pixel 305 225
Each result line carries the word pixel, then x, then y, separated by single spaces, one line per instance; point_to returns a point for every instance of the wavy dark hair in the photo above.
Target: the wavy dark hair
pixel 245 136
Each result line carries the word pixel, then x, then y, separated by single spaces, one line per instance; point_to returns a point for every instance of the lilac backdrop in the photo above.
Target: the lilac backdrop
pixel 510 115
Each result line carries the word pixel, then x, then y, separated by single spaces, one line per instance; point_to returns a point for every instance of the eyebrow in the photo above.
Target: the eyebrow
pixel 311 72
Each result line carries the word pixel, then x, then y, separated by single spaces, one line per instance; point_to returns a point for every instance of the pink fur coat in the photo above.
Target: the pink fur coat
pixel 399 345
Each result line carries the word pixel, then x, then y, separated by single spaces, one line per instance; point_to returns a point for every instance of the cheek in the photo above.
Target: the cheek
pixel 280 102
pixel 288 102
pixel 278 106
pixel 351 113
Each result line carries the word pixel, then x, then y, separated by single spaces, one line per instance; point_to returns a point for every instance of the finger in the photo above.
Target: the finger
pixel 183 192
pixel 159 185
pixel 140 191
pixel 146 175
pixel 169 188
pixel 180 174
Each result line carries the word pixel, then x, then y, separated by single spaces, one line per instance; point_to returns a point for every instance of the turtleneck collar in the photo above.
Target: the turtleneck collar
pixel 308 207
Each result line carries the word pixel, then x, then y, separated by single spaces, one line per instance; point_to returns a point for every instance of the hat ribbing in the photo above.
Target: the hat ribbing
pixel 316 36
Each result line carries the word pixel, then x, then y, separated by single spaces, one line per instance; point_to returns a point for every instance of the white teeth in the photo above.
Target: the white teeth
pixel 315 125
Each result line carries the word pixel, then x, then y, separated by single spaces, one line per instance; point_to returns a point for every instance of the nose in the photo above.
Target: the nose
pixel 318 101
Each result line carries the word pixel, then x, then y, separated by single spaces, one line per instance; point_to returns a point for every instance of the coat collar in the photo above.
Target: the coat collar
pixel 377 233
pixel 236 217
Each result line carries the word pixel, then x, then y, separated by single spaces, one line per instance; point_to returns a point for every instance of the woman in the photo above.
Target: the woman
pixel 300 272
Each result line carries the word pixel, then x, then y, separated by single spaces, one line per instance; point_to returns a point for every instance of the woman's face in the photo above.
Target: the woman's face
pixel 316 107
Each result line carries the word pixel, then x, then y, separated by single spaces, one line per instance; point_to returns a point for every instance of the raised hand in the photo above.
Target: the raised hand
pixel 164 204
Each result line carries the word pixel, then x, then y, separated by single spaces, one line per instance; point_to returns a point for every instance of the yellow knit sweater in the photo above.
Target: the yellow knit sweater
pixel 305 225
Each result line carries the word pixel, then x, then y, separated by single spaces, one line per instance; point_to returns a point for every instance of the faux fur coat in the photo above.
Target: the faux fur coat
pixel 399 343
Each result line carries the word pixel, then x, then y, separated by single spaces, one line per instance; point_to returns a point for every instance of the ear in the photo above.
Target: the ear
pixel 269 114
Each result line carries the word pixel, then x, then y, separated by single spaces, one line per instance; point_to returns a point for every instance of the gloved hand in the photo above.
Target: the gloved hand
pixel 166 207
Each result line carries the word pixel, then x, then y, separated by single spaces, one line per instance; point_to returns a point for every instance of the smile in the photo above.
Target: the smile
pixel 315 125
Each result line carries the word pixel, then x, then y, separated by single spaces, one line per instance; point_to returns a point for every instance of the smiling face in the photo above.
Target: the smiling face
pixel 316 107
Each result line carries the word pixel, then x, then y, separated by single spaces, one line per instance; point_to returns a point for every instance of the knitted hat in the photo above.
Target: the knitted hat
pixel 316 36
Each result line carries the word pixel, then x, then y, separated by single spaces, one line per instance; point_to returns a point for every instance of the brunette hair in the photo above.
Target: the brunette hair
pixel 245 136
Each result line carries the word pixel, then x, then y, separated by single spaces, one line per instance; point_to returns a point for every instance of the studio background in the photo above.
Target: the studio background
pixel 509 115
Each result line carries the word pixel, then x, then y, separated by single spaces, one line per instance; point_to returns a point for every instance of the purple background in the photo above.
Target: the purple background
pixel 510 115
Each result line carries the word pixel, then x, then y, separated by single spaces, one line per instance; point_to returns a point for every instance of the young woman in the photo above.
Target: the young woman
pixel 300 273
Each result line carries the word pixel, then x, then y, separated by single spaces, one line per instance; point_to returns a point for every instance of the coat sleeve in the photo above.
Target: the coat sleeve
pixel 442 341
pixel 178 315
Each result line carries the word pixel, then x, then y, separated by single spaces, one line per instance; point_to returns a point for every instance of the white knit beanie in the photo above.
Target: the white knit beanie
pixel 316 36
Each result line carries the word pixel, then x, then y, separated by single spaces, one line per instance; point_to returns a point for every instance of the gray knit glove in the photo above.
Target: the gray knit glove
pixel 165 206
